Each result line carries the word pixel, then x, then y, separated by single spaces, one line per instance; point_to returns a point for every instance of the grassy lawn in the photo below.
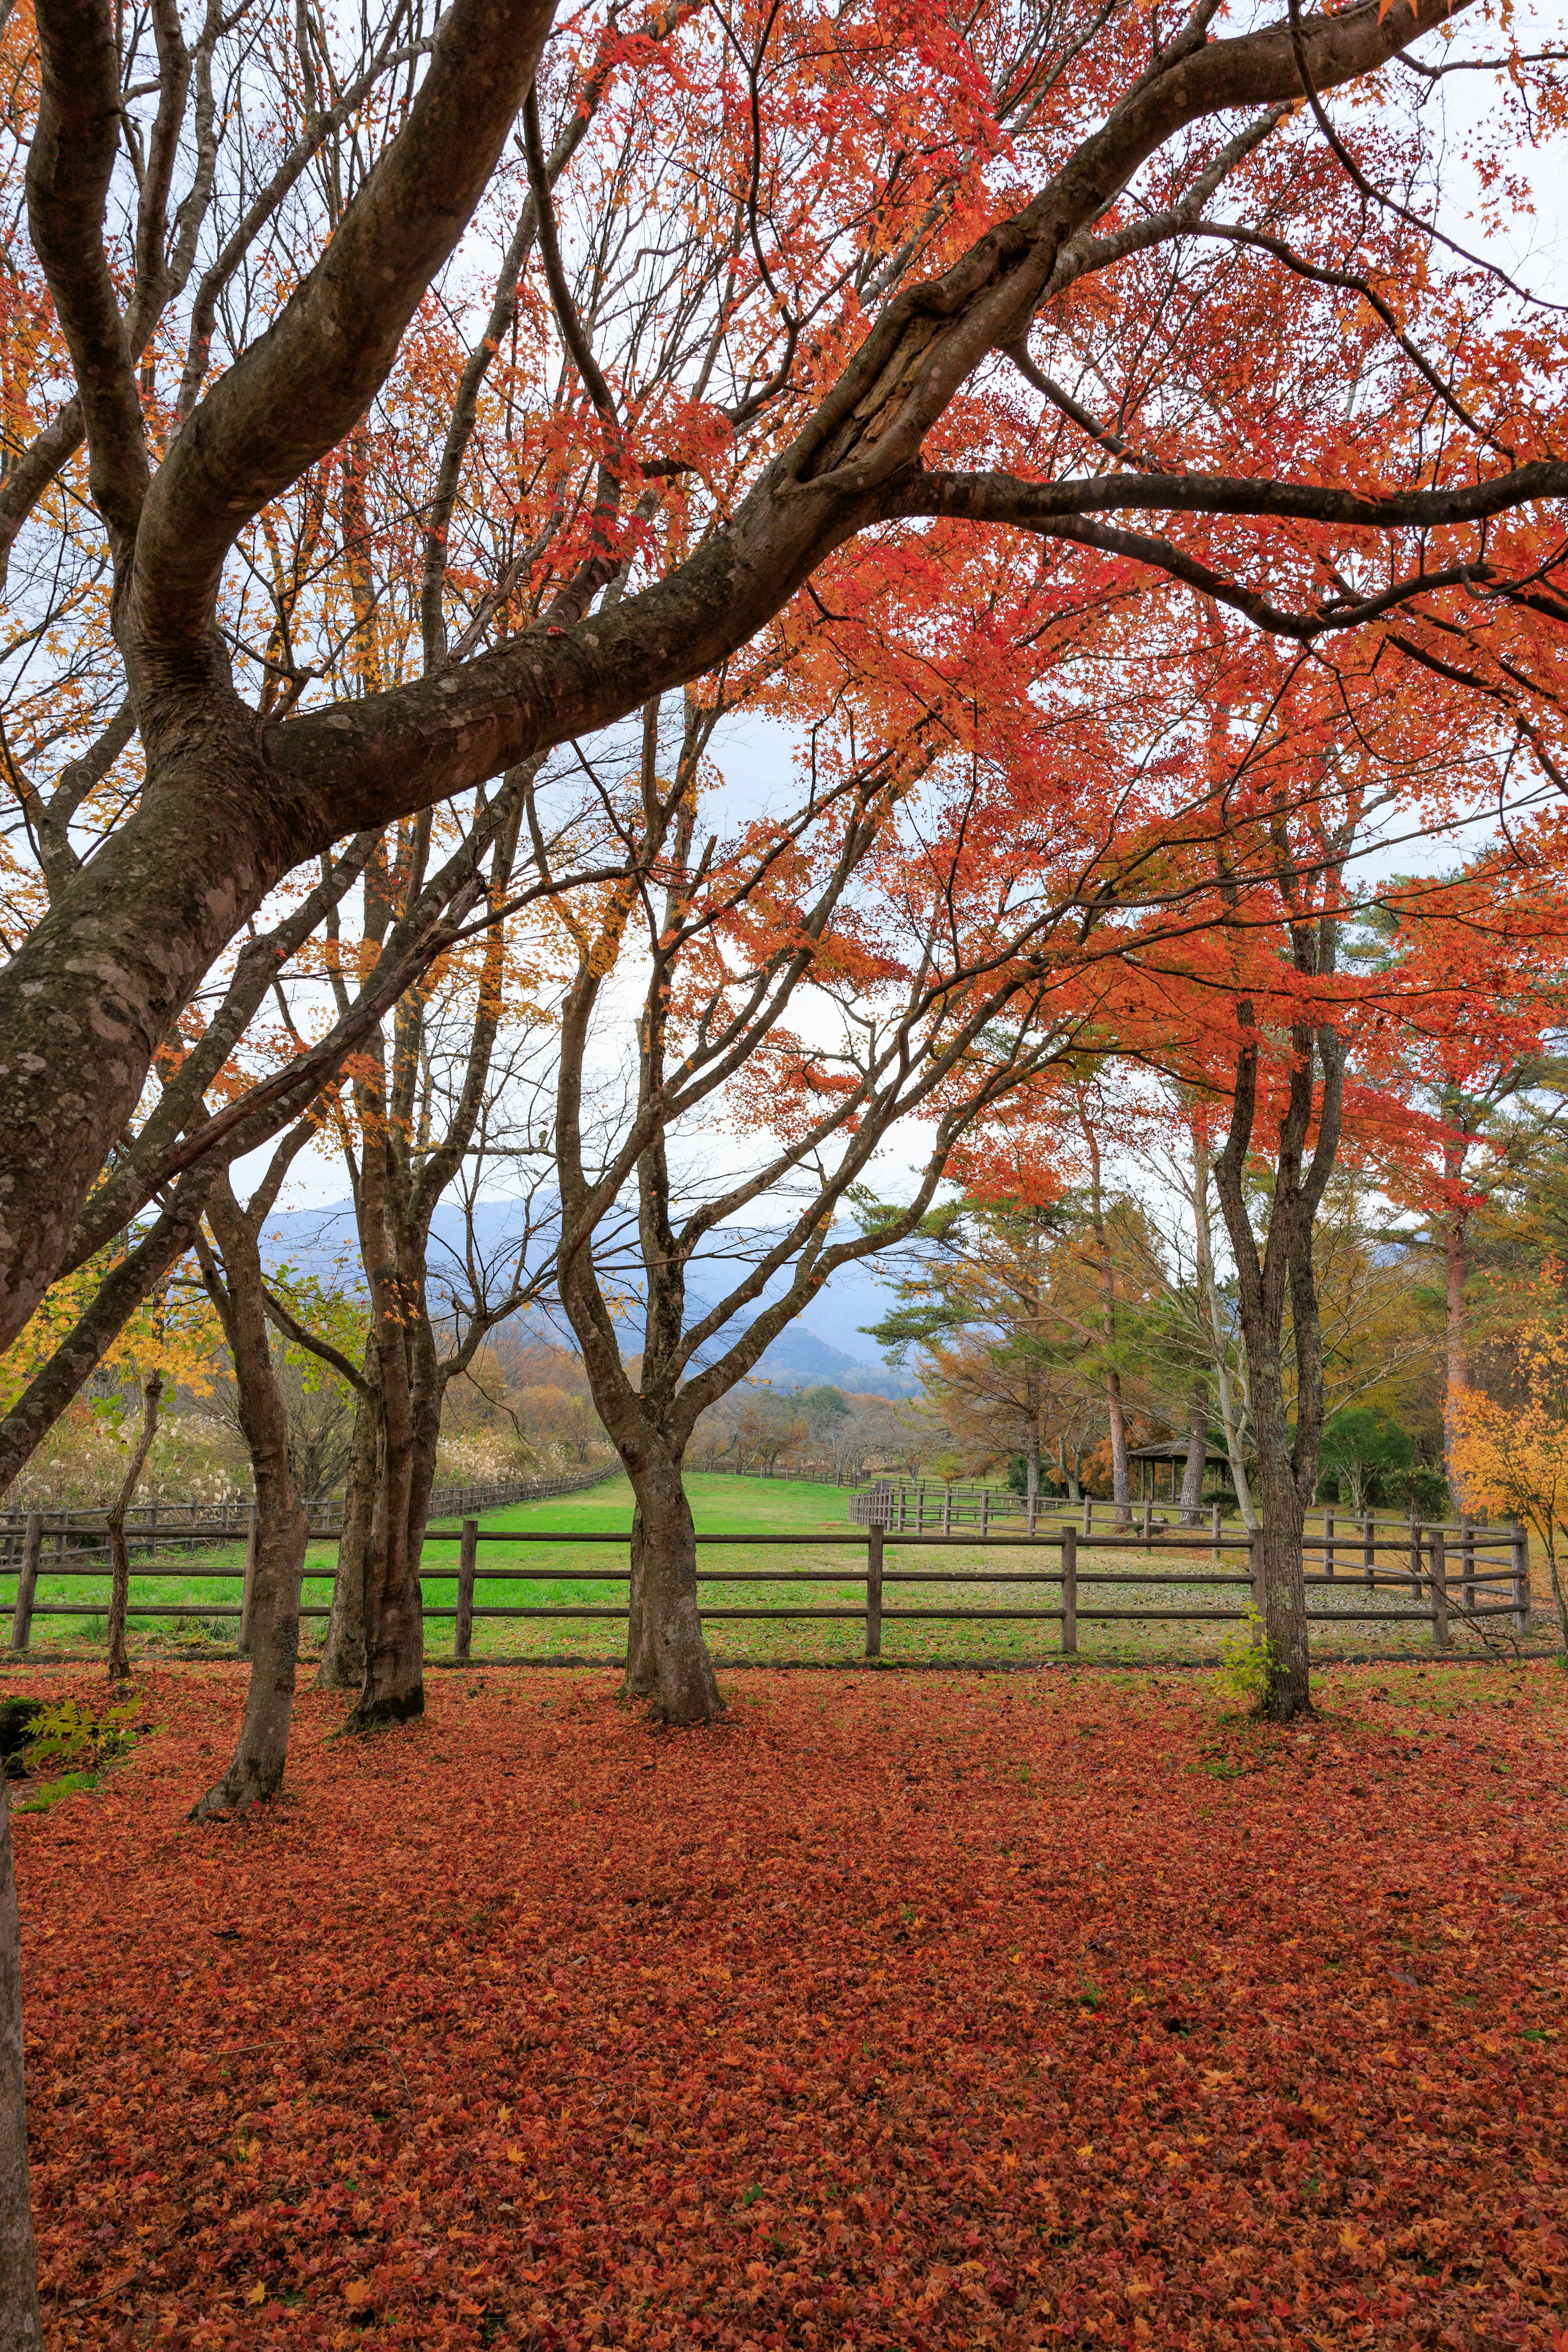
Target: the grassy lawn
pixel 801 1520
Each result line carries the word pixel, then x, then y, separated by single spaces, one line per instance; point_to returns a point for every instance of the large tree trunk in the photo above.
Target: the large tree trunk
pixel 119 1550
pixel 281 1525
pixel 667 1657
pixel 1120 1484
pixel 21 2329
pixel 394 1686
pixel 1455 1337
pixel 1198 1456
pixel 1279 1556
pixel 342 1657
pixel 1287 1461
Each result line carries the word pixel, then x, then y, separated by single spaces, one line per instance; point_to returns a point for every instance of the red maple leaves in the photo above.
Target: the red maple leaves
pixel 1013 2011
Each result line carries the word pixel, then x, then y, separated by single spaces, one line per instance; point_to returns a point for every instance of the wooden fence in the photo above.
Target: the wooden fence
pixel 191 1526
pixel 1487 1562
pixel 75 1543
pixel 905 1508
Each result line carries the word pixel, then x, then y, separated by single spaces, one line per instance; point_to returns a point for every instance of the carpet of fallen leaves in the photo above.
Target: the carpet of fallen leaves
pixel 908 2011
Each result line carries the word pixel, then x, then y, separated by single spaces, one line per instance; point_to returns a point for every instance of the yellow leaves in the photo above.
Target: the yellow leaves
pixel 174 1332
pixel 257 2294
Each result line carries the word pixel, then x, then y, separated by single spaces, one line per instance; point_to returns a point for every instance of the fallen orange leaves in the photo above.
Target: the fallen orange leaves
pixel 916 2013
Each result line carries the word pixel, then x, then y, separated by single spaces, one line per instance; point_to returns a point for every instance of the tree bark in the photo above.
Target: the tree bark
pixel 1198 1456
pixel 667 1657
pixel 342 1657
pixel 119 1556
pixel 1287 1460
pixel 21 2327
pixel 1219 1351
pixel 281 1523
pixel 394 1686
pixel 1456 1335
pixel 1120 1482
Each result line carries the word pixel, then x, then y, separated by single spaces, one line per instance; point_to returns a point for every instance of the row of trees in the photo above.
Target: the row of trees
pixel 426 431
pixel 1107 816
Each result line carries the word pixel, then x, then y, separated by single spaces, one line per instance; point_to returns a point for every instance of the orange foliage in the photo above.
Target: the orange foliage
pixel 929 2014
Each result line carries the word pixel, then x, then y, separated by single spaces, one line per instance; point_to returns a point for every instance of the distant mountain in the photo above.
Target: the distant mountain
pixel 804 1356
pixel 799 1360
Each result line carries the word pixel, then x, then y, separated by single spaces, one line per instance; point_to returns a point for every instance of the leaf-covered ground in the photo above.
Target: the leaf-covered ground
pixel 912 2011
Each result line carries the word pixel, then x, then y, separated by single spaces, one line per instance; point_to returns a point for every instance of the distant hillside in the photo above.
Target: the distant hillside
pixel 803 1357
pixel 799 1360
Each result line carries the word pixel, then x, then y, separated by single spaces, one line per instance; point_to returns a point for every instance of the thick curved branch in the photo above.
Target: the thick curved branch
pixel 1007 498
pixel 84 1347
pixel 293 1328
pixel 294 393
pixel 1163 555
pixel 68 170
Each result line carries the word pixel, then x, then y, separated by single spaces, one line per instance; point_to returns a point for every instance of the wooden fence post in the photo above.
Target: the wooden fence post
pixel 1369 1552
pixel 1087 1517
pixel 1069 1592
pixel 1260 1597
pixel 1148 1508
pixel 873 1592
pixel 947 1510
pixel 1415 1558
pixel 1520 1577
pixel 985 1513
pixel 1328 1542
pixel 1468 1562
pixel 1214 1554
pixel 468 1559
pixel 1439 1590
pixel 248 1589
pixel 27 1582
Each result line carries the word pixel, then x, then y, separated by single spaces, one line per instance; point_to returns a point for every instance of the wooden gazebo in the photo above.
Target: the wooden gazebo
pixel 1173 1451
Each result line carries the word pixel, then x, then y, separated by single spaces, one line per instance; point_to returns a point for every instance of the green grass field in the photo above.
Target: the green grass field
pixel 800 1518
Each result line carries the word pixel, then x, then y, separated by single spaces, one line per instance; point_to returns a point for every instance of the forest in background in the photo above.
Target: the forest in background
pixel 1048 1339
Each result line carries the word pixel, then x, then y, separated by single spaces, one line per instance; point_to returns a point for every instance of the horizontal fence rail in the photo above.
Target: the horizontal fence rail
pixel 1493 1580
pixel 184 1529
pixel 915 1507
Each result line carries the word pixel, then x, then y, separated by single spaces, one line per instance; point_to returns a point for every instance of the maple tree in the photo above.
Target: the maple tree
pixel 848 372
pixel 1481 1008
pixel 927 933
pixel 763 379
pixel 1511 1453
